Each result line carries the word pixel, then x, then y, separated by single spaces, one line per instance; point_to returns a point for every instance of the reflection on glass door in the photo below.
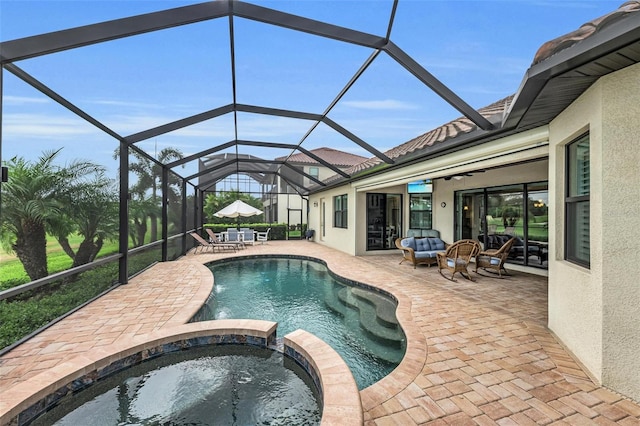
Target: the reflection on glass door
pixel 507 215
pixel 469 205
pixel 323 211
pixel 506 210
pixel 383 220
pixel 538 221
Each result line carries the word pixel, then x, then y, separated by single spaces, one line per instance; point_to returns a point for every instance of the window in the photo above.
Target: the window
pixel 340 211
pixel 577 202
pixel 314 171
pixel 420 211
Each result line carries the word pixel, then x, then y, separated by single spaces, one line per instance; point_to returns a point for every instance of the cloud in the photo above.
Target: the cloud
pixel 386 104
pixel 24 100
pixel 498 65
pixel 126 104
pixel 44 126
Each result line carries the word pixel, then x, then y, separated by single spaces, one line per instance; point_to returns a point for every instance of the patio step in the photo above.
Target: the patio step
pixel 385 307
pixel 374 313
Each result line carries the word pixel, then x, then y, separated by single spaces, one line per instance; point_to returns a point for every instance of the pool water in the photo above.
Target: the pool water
pixel 219 385
pixel 357 323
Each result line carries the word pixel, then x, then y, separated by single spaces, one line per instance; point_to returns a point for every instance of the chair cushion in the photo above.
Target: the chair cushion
pixel 424 254
pixel 436 243
pixel 495 261
pixel 433 233
pixel 451 262
pixel 422 244
pixel 408 242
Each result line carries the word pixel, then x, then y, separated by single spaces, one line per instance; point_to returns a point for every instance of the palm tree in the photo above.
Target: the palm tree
pixel 92 212
pixel 30 200
pixel 149 174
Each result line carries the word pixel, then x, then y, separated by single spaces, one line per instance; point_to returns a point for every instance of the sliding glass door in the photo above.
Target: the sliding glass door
pixel 519 211
pixel 384 220
pixel 468 208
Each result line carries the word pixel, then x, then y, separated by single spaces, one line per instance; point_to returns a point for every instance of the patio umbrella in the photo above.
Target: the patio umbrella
pixel 238 208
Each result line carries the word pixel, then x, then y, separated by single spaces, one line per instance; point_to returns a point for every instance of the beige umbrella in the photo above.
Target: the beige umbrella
pixel 238 208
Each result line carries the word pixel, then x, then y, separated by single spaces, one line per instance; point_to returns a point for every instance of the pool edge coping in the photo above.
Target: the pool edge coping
pixel 315 356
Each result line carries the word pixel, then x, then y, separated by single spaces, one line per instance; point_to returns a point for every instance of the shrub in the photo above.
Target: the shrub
pixel 27 312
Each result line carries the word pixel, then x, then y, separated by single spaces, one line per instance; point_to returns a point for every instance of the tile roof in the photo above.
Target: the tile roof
pixel 330 155
pixel 563 42
pixel 462 126
pixel 446 132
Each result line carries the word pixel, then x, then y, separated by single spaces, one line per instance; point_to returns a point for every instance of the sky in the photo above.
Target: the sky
pixel 480 49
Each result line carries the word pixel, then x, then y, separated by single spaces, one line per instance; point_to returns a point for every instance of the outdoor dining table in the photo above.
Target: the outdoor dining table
pixel 224 235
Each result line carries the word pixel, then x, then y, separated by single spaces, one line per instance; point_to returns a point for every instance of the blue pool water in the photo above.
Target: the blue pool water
pixel 301 294
pixel 220 385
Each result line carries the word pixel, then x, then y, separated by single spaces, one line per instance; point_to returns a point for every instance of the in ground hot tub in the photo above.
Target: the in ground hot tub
pixel 228 384
pixel 217 370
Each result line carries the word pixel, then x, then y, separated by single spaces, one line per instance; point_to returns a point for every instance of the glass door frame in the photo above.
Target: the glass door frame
pixel 465 225
pixel 383 222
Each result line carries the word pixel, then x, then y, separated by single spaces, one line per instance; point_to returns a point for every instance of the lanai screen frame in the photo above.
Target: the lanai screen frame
pixel 14 51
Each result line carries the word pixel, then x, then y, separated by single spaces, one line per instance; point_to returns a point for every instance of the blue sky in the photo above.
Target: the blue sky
pixel 480 49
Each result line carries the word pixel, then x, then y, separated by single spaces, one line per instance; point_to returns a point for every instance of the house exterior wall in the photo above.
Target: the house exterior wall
pixel 342 239
pixel 291 201
pixel 596 311
pixel 284 202
pixel 527 146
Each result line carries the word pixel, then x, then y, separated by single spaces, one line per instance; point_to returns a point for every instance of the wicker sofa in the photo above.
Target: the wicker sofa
pixel 421 250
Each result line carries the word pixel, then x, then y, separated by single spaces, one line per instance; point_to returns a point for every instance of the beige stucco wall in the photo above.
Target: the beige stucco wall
pixel 596 311
pixel 339 238
pixel 292 201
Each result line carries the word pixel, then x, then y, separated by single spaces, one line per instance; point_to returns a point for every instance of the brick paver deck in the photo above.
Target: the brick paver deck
pixel 477 352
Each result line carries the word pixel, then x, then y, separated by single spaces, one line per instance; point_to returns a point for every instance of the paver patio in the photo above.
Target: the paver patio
pixel 477 353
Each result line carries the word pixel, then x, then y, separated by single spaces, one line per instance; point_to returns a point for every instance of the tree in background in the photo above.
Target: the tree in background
pixel 216 202
pixel 32 201
pixel 91 210
pixel 145 200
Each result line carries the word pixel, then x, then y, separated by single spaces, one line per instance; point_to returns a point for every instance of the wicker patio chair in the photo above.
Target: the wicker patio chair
pixel 457 257
pixel 493 260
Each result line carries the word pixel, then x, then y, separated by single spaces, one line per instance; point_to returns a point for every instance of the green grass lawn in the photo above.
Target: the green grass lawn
pixel 537 230
pixel 13 272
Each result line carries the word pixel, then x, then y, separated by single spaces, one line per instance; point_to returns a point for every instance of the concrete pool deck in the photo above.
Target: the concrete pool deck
pixel 477 353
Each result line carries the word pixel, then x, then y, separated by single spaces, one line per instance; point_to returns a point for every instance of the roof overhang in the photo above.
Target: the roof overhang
pixel 553 84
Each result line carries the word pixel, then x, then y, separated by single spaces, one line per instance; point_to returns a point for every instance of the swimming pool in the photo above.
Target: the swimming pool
pixel 226 384
pixel 358 322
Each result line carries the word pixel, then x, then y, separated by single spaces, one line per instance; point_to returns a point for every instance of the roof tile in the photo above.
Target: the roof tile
pixel 330 155
pixel 565 41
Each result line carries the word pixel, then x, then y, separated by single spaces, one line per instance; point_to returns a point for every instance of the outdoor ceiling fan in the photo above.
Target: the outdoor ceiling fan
pixel 459 176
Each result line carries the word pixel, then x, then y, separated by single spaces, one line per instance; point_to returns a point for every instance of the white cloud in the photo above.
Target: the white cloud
pixel 386 104
pixel 498 65
pixel 126 104
pixel 24 100
pixel 42 126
